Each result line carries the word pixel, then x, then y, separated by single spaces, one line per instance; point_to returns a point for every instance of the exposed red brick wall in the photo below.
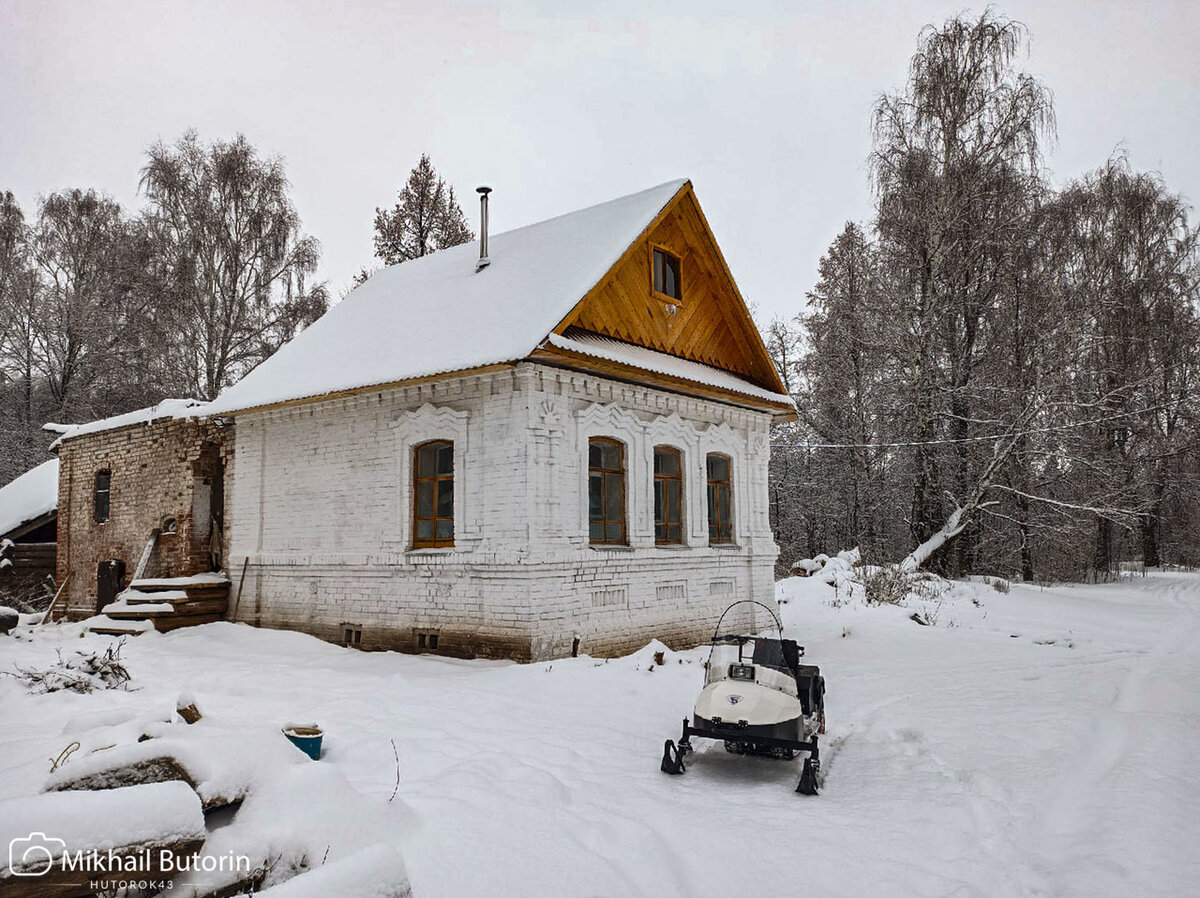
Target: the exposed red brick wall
pixel 155 469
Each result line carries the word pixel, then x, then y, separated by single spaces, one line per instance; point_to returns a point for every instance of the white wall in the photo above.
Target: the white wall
pixel 321 504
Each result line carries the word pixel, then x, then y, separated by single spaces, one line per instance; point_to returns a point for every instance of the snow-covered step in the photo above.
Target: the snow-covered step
pixel 139 597
pixel 195 580
pixel 123 611
pixel 108 626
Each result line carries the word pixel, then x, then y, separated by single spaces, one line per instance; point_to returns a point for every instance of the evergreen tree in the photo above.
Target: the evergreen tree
pixel 426 218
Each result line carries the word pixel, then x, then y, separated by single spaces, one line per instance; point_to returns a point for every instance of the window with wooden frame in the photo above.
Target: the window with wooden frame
pixel 101 496
pixel 668 495
pixel 665 275
pixel 720 517
pixel 606 492
pixel 433 495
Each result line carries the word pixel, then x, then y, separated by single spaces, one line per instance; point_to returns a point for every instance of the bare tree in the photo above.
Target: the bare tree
pixel 77 321
pixel 236 263
pixel 1133 269
pixel 955 162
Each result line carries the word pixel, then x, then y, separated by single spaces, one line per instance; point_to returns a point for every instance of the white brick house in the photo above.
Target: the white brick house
pixel 521 461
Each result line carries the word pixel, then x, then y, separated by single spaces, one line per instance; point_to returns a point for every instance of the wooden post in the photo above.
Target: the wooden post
pixel 145 560
pixel 54 601
pixel 238 601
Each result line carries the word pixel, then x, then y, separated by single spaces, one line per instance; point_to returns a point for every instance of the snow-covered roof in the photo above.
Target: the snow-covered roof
pixel 437 315
pixel 611 350
pixel 29 497
pixel 168 408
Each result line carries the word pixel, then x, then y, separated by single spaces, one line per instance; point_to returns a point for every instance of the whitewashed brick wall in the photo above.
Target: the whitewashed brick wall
pixel 321 504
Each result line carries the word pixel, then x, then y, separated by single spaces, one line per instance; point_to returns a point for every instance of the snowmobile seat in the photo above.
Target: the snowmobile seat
pixel 778 654
pixel 811 687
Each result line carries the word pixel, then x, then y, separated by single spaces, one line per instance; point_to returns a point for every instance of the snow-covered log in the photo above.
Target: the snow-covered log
pixel 145 821
pixel 376 871
pixel 955 524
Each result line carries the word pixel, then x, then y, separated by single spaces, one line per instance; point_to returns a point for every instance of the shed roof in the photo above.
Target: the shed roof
pixel 168 408
pixel 32 495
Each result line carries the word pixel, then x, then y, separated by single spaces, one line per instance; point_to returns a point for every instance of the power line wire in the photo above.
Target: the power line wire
pixel 960 440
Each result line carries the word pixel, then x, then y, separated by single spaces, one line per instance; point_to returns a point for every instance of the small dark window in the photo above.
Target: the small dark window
pixel 427 640
pixel 433 494
pixel 352 636
pixel 668 494
pixel 666 274
pixel 606 491
pixel 720 522
pixel 102 494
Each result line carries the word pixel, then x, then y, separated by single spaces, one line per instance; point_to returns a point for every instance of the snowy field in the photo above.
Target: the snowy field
pixel 1031 743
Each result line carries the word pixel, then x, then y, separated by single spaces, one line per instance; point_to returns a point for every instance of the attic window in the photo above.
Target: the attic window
pixel 665 274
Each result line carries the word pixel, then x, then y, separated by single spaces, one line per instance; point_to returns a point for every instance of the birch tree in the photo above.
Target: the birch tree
pixel 956 157
pixel 238 267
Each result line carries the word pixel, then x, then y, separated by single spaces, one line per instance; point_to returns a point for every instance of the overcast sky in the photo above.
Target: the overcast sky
pixel 558 105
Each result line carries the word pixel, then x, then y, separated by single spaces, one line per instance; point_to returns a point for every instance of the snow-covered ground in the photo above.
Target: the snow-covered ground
pixel 1032 743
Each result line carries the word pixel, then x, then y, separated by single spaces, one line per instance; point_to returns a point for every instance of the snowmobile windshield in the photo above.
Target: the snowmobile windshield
pixel 723 656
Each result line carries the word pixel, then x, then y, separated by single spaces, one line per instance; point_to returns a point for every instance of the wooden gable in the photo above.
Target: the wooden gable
pixel 709 323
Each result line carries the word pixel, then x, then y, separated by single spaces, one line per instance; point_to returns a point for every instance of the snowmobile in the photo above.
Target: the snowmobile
pixel 758 699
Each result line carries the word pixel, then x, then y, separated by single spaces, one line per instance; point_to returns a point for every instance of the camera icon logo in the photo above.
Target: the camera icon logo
pixel 34 855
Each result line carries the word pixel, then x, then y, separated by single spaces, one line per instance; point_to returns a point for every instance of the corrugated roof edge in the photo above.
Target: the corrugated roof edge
pixel 368 388
pixel 168 408
pixel 674 366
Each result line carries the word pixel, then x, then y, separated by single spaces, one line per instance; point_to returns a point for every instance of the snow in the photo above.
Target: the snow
pixel 30 496
pixel 140 607
pixel 141 599
pixel 375 872
pixel 436 314
pixel 661 363
pixel 127 626
pixel 1030 743
pixel 168 408
pixel 224 762
pixel 156 814
pixel 194 580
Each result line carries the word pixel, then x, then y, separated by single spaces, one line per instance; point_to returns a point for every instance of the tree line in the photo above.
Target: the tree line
pixel 994 375
pixel 104 310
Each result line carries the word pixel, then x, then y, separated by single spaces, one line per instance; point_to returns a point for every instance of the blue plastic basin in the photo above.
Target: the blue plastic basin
pixel 306 738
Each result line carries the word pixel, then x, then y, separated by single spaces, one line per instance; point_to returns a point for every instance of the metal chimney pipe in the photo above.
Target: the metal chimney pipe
pixel 484 261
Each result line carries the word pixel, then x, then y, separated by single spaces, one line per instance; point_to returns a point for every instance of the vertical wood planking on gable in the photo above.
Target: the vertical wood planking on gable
pixel 710 323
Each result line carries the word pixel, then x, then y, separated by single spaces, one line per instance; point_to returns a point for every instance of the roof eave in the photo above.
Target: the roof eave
pixel 578 361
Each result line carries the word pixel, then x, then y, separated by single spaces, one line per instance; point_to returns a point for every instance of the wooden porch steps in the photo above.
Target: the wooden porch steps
pixel 164 605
